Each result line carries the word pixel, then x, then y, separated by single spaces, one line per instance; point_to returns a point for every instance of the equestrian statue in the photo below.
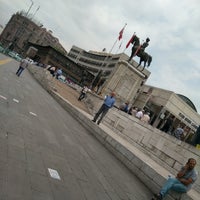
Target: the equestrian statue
pixel 139 50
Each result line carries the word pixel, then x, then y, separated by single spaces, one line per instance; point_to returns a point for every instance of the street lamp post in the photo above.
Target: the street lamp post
pixel 36 12
pixel 29 7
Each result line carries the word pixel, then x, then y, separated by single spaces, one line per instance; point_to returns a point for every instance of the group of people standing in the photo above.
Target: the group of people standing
pixel 168 126
pixel 143 115
pixel 24 63
pixel 54 71
pixel 180 131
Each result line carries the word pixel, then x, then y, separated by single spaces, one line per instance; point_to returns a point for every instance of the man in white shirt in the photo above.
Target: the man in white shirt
pixel 23 64
pixel 139 114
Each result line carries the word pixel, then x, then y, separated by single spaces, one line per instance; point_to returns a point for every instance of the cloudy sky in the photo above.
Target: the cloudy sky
pixel 172 26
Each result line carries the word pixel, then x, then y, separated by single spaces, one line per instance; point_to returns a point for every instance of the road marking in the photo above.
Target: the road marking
pixel 15 100
pixel 33 114
pixel 54 174
pixel 3 97
pixel 4 61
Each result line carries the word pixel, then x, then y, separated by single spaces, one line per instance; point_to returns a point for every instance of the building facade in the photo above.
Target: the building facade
pixel 48 55
pixel 98 61
pixel 22 29
pixel 163 104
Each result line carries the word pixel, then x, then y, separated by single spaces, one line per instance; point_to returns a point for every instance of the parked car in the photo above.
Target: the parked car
pixel 2 50
pixel 62 78
pixel 15 55
pixel 30 60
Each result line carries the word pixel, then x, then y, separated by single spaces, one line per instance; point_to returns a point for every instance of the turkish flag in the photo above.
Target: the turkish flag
pixel 131 40
pixel 120 34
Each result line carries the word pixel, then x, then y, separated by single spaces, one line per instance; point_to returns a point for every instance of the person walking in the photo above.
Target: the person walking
pixel 168 124
pixel 109 102
pixel 183 181
pixel 52 70
pixel 83 93
pixel 23 64
pixel 179 133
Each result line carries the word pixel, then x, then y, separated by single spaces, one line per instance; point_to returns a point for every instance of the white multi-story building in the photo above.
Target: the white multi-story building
pixel 95 61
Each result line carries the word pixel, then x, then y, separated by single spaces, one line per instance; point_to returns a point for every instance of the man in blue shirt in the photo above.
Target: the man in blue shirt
pixel 183 181
pixel 109 102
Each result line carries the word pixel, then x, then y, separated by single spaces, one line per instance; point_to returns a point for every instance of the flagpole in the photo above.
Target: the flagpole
pixel 113 46
pixel 124 49
pixel 119 47
pixel 100 68
pixel 121 32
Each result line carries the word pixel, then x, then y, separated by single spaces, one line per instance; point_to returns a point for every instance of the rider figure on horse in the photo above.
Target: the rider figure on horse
pixel 137 48
pixel 145 44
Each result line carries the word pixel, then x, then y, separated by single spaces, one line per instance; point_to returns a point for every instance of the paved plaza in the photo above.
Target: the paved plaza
pixel 46 154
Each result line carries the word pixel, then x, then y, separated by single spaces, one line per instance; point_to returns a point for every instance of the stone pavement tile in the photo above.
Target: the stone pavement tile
pixel 50 149
pixel 30 143
pixel 118 188
pixel 93 176
pixel 13 164
pixel 3 149
pixel 13 178
pixel 63 193
pixel 91 193
pixel 103 167
pixel 3 132
pixel 3 171
pixel 40 183
pixel 58 163
pixel 95 171
pixel 35 163
pixel 3 188
pixel 70 184
pixel 72 152
pixel 133 196
pixel 18 183
pixel 13 125
pixel 15 140
pixel 102 195
pixel 113 196
pixel 77 169
pixel 36 195
pixel 17 153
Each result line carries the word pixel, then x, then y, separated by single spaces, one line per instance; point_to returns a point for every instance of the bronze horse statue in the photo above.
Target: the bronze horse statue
pixel 138 50
pixel 146 58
